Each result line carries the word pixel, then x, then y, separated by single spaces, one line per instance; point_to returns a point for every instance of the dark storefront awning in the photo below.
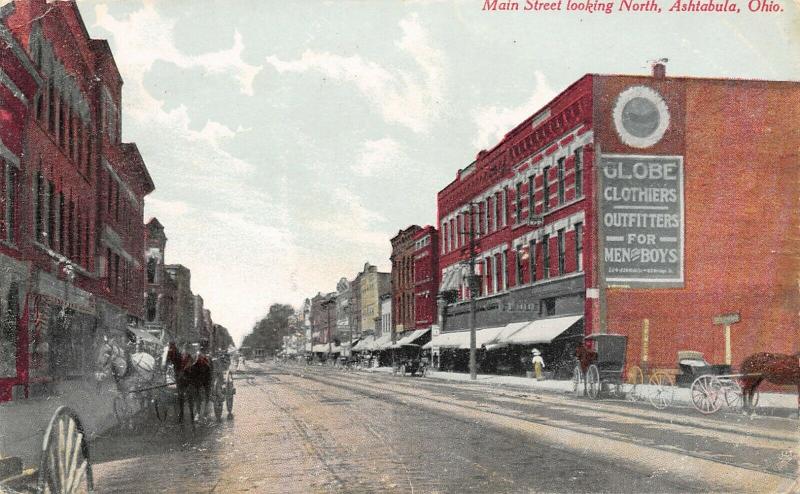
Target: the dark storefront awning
pixel 410 338
pixel 542 331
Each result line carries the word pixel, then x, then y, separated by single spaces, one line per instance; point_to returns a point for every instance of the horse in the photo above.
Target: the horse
pixel 191 377
pixel 130 372
pixel 777 368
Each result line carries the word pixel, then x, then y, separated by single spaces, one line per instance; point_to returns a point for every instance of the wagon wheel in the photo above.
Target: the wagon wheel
pixel 662 390
pixel 65 467
pixel 219 397
pixel 593 382
pixel 160 409
pixel 229 392
pixel 636 381
pixel 707 394
pixel 577 381
pixel 122 410
pixel 733 394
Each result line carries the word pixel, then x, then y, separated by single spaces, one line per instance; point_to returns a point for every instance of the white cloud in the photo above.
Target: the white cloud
pixel 378 157
pixel 409 99
pixel 494 122
pixel 146 36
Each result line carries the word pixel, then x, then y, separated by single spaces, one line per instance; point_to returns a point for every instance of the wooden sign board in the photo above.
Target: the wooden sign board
pixel 727 319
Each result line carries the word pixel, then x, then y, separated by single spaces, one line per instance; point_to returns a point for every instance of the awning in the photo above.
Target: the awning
pixel 542 331
pixel 365 344
pixel 336 349
pixel 411 337
pixel 453 279
pixel 454 339
pixel 145 336
pixel 383 342
pixel 322 348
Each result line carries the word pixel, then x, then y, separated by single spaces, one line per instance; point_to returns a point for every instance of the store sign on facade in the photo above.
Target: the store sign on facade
pixel 642 220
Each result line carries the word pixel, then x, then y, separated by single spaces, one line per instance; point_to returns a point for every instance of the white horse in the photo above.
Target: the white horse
pixel 128 371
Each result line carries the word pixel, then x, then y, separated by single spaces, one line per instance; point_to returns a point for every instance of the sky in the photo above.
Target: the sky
pixel 289 141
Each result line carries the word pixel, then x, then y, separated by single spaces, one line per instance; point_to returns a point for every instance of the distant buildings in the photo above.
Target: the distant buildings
pixel 403 315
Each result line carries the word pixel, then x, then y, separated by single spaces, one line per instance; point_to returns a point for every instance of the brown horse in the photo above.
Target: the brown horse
pixel 191 377
pixel 777 368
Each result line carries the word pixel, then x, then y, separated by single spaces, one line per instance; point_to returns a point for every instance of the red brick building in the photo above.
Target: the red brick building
pixel 426 276
pixel 628 198
pixel 403 318
pixel 77 193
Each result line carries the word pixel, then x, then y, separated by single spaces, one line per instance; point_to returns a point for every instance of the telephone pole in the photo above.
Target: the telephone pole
pixel 473 289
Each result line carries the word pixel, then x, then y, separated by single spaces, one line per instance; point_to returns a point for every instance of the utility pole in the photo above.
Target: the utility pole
pixel 473 288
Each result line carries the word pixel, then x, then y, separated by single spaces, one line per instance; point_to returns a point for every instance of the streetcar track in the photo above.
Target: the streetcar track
pixel 543 422
pixel 303 431
pixel 556 399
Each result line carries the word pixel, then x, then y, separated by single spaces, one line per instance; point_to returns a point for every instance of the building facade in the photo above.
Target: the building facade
pixel 426 277
pixel 403 318
pixel 372 284
pixel 184 329
pixel 343 303
pixel 323 317
pixel 612 203
pixel 73 233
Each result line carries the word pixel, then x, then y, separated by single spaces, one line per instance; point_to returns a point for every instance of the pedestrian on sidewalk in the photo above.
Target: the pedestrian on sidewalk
pixel 538 364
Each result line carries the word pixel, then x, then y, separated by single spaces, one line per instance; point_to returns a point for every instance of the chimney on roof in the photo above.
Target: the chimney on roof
pixel 660 68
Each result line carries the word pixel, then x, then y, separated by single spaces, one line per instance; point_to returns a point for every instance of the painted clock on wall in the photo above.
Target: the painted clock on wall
pixel 641 116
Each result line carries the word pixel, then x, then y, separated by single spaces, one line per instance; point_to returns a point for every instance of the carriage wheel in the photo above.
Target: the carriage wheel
pixel 229 392
pixel 121 410
pixel 65 467
pixel 733 394
pixel 218 397
pixel 707 394
pixel 636 381
pixel 578 385
pixel 662 390
pixel 160 409
pixel 593 382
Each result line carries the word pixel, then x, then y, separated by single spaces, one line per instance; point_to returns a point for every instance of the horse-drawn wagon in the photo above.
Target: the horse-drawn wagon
pixel 64 464
pixel 601 362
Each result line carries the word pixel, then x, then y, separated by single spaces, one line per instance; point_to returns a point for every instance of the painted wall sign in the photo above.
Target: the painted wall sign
pixel 642 220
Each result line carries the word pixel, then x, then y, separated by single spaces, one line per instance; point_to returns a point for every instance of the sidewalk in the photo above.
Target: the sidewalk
pixel 23 422
pixel 786 402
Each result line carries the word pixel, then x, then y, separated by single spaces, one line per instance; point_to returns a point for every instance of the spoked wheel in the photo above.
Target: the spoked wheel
pixel 229 392
pixel 577 381
pixel 160 409
pixel 122 410
pixel 593 382
pixel 707 394
pixel 65 467
pixel 662 390
pixel 636 382
pixel 733 394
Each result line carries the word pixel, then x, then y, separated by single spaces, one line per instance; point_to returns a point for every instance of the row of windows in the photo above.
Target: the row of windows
pixel 546 184
pixel 495 277
pixel 404 309
pixel 491 214
pixel 63 123
pixel 61 224
pixel 481 218
pixel 118 207
pixel 121 276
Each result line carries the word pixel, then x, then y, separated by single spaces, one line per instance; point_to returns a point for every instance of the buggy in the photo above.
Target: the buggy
pixel 602 368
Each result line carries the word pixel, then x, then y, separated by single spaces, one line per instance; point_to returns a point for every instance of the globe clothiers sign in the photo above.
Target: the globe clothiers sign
pixel 641 220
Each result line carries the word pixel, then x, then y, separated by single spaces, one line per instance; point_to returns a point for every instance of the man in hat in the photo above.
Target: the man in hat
pixel 538 364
